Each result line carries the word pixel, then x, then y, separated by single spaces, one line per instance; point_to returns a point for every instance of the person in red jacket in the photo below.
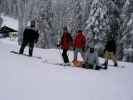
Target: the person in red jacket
pixel 66 41
pixel 79 45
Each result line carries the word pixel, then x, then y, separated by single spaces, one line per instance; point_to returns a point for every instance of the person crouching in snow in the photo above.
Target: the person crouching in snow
pixel 79 45
pixel 91 59
pixel 65 43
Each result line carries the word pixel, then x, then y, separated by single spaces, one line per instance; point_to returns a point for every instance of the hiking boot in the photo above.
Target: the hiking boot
pixel 30 55
pixel 84 66
pixel 105 65
pixel 105 68
pixel 97 68
pixel 20 52
pixel 67 64
pixel 115 64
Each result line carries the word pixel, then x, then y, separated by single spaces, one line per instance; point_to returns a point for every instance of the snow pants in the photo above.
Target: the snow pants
pixel 31 46
pixel 110 55
pixel 64 55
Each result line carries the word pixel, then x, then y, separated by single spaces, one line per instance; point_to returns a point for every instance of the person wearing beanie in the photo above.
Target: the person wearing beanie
pixel 91 59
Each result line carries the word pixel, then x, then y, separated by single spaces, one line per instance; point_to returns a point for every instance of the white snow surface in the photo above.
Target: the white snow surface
pixel 27 78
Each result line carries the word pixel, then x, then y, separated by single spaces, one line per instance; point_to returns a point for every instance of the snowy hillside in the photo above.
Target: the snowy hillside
pixel 25 78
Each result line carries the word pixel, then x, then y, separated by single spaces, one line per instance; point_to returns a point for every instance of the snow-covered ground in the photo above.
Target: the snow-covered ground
pixel 25 78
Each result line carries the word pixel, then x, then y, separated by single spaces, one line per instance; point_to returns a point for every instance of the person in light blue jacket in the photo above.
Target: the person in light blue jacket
pixel 91 59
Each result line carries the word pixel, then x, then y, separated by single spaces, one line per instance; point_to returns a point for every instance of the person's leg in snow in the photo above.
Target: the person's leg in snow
pixel 75 54
pixel 76 51
pixel 65 57
pixel 82 52
pixel 31 46
pixel 107 56
pixel 114 59
pixel 24 43
pixel 91 66
pixel 110 55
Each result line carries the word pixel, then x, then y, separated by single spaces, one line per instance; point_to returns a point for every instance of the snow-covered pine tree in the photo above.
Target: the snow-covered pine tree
pixel 21 12
pixel 125 35
pixel 60 19
pixel 87 11
pixel 97 24
pixel 77 15
pixel 45 24
pixel 120 18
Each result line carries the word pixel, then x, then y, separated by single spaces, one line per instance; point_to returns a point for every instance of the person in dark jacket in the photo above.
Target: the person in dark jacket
pixel 30 36
pixel 65 43
pixel 110 52
pixel 79 45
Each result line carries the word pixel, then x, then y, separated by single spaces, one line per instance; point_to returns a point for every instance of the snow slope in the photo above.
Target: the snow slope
pixel 25 78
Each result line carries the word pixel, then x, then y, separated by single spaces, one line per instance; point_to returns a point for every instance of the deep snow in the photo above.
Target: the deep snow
pixel 25 78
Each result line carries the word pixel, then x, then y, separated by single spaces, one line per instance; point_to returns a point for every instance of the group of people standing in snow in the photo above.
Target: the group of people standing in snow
pixel 87 50
pixel 78 43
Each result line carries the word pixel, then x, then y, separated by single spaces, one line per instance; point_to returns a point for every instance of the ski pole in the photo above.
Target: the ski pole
pixel 60 54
